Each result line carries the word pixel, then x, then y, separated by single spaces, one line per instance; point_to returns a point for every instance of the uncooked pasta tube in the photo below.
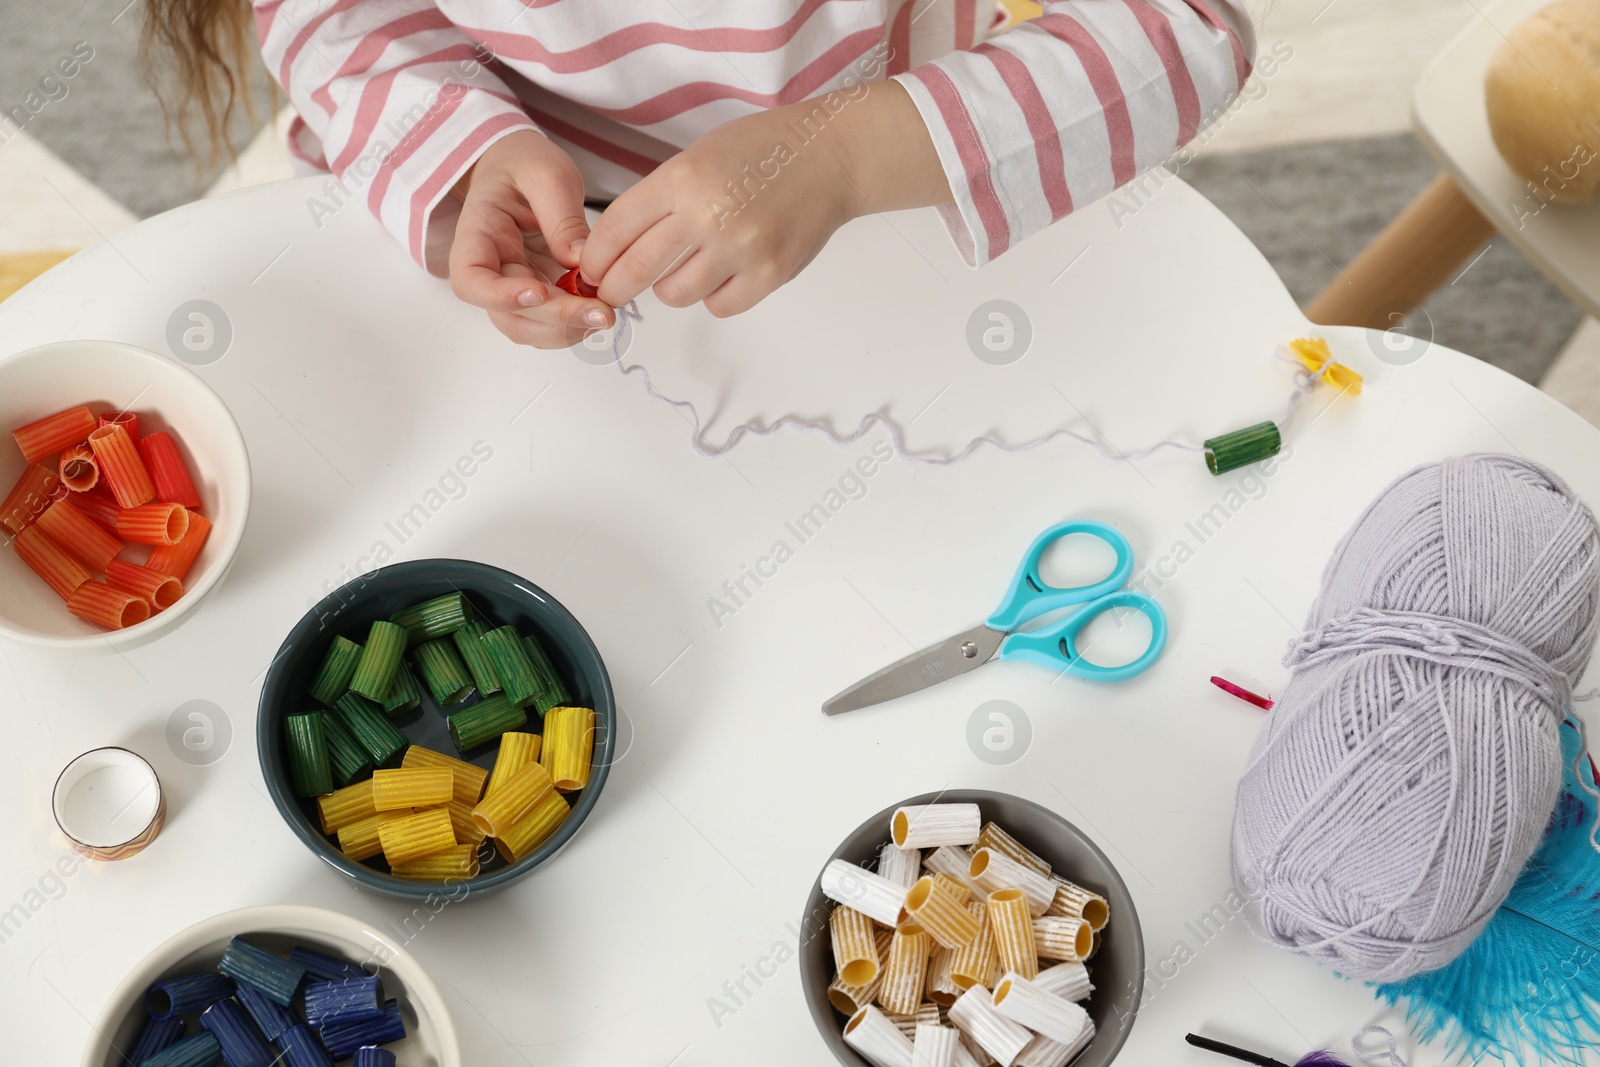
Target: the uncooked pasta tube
pixel 1044 1013
pixel 872 895
pixel 993 837
pixel 976 963
pixel 1058 938
pixel 870 1033
pixel 954 861
pixel 940 909
pixel 1013 932
pixel 934 1046
pixel 904 973
pixel 1076 902
pixel 1047 1052
pixel 848 999
pixel 855 950
pixel 902 866
pixel 940 988
pixel 993 870
pixel 1069 980
pixel 935 825
pixel 1003 1039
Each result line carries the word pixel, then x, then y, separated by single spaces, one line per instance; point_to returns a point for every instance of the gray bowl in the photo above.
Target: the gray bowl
pixel 349 611
pixel 1117 969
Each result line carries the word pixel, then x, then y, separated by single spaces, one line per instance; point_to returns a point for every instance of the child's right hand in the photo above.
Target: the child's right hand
pixel 521 227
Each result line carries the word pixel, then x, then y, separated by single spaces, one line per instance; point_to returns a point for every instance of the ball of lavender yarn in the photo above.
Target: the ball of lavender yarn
pixel 1409 768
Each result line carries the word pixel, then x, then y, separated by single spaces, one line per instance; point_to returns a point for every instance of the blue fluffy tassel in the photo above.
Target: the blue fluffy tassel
pixel 1528 985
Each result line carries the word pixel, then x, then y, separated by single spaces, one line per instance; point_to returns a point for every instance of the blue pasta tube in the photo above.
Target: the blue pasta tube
pixel 301 1048
pixel 241 1043
pixel 185 995
pixel 274 978
pixel 373 1056
pixel 342 1039
pixel 270 1018
pixel 344 1001
pixel 325 968
pixel 196 1050
pixel 157 1034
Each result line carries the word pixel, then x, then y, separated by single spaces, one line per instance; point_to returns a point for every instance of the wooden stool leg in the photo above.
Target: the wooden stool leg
pixel 1410 259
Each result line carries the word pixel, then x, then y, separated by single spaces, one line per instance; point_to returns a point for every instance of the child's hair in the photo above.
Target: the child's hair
pixel 198 56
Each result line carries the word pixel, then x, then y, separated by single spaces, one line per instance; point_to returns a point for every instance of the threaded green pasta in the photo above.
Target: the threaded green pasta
pixel 332 680
pixel 518 680
pixel 476 656
pixel 309 771
pixel 552 691
pixel 374 673
pixel 347 758
pixel 485 721
pixel 371 729
pixel 403 693
pixel 439 617
pixel 442 670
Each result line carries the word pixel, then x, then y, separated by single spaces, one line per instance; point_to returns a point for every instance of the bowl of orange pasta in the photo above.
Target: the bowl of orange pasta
pixel 126 489
pixel 969 927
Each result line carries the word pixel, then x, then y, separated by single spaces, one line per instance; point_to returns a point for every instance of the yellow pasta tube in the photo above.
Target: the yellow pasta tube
pixel 568 747
pixel 993 837
pixel 905 973
pixel 516 750
pixel 1056 937
pixel 468 778
pixel 939 907
pixel 345 806
pixel 855 950
pixel 1013 932
pixel 359 840
pixel 842 995
pixel 940 988
pixel 927 1014
pixel 414 836
pixel 467 831
pixel 534 828
pixel 976 963
pixel 458 862
pixel 521 794
pixel 419 787
pixel 1075 902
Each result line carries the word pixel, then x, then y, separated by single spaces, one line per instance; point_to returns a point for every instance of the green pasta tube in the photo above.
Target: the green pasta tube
pixel 439 617
pixel 552 691
pixel 346 756
pixel 332 680
pixel 371 729
pixel 374 673
pixel 485 721
pixel 442 670
pixel 476 656
pixel 518 679
pixel 309 771
pixel 403 692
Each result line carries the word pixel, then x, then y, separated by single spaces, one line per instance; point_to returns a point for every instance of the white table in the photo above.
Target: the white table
pixel 359 381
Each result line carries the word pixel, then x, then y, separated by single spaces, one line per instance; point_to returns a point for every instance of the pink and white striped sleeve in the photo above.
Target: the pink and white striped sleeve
pixel 395 100
pixel 1057 112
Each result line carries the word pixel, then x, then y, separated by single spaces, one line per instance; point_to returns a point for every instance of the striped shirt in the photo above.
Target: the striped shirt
pixel 398 97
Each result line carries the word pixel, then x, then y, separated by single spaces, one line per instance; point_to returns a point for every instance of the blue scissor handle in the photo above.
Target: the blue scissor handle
pixel 1029 597
pixel 1056 645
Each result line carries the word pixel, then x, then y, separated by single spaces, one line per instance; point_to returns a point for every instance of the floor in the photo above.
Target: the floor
pixel 1310 169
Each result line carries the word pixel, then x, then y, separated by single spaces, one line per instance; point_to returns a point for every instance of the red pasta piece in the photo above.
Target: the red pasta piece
pixel 28 499
pixel 78 534
pixel 99 506
pixel 45 438
pixel 128 420
pixel 177 559
pixel 167 470
pixel 155 588
pixel 102 605
pixel 121 467
pixel 153 524
pixel 573 283
pixel 80 471
pixel 50 561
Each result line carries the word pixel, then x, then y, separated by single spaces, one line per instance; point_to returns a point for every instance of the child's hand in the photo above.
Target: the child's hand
pixel 683 232
pixel 521 227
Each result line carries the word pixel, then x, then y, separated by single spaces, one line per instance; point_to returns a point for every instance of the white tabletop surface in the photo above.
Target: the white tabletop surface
pixel 1562 240
pixel 359 381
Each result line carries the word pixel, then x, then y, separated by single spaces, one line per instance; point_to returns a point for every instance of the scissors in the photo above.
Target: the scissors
pixel 1053 645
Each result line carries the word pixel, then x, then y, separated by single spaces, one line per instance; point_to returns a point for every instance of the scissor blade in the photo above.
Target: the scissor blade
pixel 932 665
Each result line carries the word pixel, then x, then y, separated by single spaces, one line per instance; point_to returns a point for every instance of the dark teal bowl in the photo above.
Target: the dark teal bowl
pixel 348 611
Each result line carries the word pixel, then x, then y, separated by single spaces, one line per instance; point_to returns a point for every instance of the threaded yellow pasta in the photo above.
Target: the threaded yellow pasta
pixel 534 828
pixel 458 862
pixel 344 806
pixel 1076 902
pixel 419 787
pixel 521 793
pixel 993 837
pixel 467 831
pixel 939 907
pixel 468 778
pixel 414 836
pixel 1013 931
pixel 976 963
pixel 939 987
pixel 904 974
pixel 855 950
pixel 359 840
pixel 516 750
pixel 1056 937
pixel 568 746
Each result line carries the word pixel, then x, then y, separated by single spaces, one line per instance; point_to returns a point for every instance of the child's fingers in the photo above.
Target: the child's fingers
pixel 697 278
pixel 557 203
pixel 536 334
pixel 620 226
pixel 655 255
pixel 738 294
pixel 476 273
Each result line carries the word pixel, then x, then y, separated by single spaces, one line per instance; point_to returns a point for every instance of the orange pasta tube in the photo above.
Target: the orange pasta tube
pixel 359 840
pixel 855 949
pixel 102 605
pixel 78 534
pixel 100 506
pixel 414 836
pixel 342 807
pixel 50 561
pixel 54 433
pixel 1012 924
pixel 418 787
pixel 124 472
pixel 904 973
pixel 939 907
pixel 521 794
pixel 516 750
pixel 468 779
pixel 168 471
pixel 534 828
pixel 153 524
pixel 177 559
pixel 29 497
pixel 467 831
pixel 460 861
pixel 80 471
pixel 128 420
pixel 159 590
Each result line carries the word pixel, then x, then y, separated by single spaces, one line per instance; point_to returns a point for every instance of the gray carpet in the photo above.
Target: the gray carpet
pixel 1307 208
